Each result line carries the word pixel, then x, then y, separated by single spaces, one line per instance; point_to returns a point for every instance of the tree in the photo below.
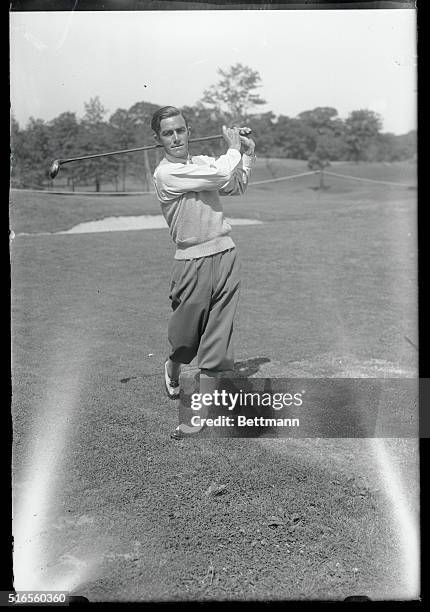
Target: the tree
pixel 292 138
pixel 391 147
pixel 321 118
pixel 123 133
pixel 319 160
pixel 263 130
pixel 327 131
pixel 16 153
pixel 361 128
pixel 94 136
pixel 234 96
pixel 31 153
pixel 202 123
pixel 326 127
pixel 63 141
pixel 141 114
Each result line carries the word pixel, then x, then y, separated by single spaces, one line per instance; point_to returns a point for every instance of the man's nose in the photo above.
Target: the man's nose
pixel 175 136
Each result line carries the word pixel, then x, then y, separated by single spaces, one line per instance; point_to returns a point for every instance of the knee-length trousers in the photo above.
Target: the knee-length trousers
pixel 204 293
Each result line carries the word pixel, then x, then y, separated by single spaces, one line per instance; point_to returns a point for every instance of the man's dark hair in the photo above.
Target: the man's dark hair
pixel 164 113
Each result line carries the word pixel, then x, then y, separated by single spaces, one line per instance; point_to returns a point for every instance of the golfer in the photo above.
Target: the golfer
pixel 205 279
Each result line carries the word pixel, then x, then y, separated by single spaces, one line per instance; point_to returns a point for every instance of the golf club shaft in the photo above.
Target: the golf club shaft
pixel 123 151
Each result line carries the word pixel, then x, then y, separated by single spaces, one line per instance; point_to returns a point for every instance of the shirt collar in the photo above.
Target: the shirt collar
pixel 175 161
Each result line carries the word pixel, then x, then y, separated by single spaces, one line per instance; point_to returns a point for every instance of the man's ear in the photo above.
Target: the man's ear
pixel 156 137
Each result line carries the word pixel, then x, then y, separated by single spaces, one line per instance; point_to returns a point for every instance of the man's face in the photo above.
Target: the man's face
pixel 174 136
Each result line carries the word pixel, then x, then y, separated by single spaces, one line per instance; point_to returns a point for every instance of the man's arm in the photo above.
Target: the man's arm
pixel 238 183
pixel 173 180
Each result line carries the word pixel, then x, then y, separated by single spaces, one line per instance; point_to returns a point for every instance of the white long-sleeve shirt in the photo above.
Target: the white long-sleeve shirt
pixel 189 197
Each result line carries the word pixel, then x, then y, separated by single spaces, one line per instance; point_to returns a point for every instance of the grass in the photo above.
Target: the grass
pixel 328 277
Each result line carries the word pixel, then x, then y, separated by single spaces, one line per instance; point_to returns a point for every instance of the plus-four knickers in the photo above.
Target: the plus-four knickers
pixel 204 293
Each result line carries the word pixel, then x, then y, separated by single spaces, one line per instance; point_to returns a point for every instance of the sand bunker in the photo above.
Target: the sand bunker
pixel 129 223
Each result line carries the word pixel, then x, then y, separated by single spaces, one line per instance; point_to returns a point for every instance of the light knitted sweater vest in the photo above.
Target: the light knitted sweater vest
pixel 189 197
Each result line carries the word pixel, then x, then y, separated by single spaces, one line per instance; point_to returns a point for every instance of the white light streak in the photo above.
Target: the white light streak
pixel 40 484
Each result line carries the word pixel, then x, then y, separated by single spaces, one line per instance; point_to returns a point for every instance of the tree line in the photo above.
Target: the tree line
pixel 317 136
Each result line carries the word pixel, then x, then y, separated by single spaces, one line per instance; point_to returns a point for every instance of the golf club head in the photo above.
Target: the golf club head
pixel 53 171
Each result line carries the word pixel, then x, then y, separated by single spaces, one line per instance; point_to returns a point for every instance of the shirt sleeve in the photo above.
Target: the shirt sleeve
pixel 238 182
pixel 173 179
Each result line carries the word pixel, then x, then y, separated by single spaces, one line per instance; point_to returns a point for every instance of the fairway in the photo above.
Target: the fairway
pixel 329 288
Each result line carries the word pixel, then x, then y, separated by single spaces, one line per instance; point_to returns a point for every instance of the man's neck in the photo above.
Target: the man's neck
pixel 177 160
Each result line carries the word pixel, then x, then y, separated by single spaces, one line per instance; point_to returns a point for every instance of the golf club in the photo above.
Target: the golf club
pixel 55 166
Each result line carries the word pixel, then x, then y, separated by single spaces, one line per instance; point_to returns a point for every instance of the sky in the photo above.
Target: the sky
pixel 347 59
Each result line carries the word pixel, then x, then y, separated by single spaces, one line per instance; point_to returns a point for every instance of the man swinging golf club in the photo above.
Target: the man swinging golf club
pixel 205 279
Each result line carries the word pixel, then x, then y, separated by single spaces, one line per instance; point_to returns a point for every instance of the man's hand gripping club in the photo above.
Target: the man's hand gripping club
pixel 236 138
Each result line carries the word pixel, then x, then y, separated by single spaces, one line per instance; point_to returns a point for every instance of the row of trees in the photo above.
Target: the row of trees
pixel 317 135
pixel 34 147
